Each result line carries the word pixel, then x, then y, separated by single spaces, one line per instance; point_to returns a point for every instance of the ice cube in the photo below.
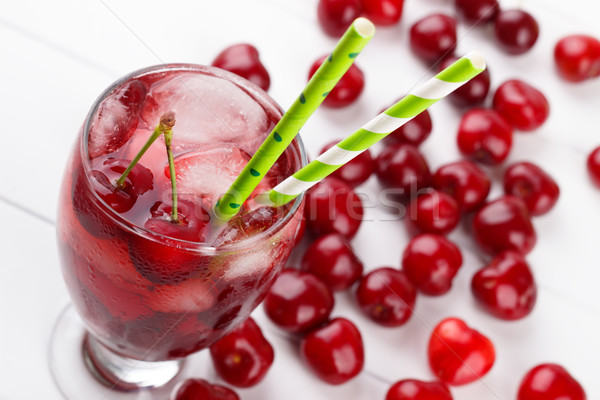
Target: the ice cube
pixel 193 295
pixel 208 109
pixel 116 119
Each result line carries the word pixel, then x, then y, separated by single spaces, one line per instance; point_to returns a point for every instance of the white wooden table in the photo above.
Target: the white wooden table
pixel 57 56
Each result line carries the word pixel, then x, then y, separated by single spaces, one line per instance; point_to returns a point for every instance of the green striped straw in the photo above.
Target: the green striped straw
pixel 417 101
pixel 317 88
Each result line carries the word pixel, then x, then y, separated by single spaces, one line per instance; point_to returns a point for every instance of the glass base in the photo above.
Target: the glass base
pixel 84 369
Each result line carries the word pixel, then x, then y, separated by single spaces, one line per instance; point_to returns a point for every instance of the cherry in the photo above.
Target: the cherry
pixel 465 182
pixel 505 287
pixel 529 182
pixel 117 119
pixel 577 57
pixel 434 212
pixel 246 224
pixel 356 171
pixel 333 207
pixel 387 296
pixel 504 224
pixel 243 356
pixel 477 11
pixel 412 389
pixel 331 258
pixel 414 131
pixel 472 93
pixel 433 37
pixel 383 12
pixel 431 262
pixel 348 88
pixel 164 261
pixel 516 31
pixel 298 301
pixel 243 59
pixel 199 389
pixel 334 352
pixel 335 16
pixel 593 166
pixel 459 354
pixel 523 106
pixel 550 382
pixel 401 168
pixel 485 136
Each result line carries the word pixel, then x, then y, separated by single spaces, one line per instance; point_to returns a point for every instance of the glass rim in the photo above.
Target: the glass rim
pixel 253 90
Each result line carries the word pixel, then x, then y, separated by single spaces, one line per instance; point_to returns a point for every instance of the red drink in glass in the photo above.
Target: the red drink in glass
pixel 153 296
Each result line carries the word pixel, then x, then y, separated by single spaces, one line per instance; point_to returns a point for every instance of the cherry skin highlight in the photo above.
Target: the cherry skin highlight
pixel 387 296
pixel 320 350
pixel 243 356
pixel 550 382
pixel 505 287
pixel 431 262
pixel 298 301
pixel 532 184
pixel 243 59
pixel 459 354
pixel 331 258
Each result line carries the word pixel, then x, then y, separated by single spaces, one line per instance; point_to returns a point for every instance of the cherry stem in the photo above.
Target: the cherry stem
pixel 162 127
pixel 169 119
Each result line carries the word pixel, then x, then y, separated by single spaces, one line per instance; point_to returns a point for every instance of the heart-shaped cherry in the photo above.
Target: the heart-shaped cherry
pixel 523 106
pixel 485 136
pixel 434 212
pixel 413 389
pixel 504 224
pixel 431 262
pixel 433 37
pixel 532 184
pixel 348 88
pixel 465 182
pixel 414 131
pixel 335 16
pixel 505 287
pixel 477 11
pixel 243 356
pixel 516 31
pixel 199 389
pixel 357 170
pixel 322 348
pixel 298 301
pixel 577 57
pixel 383 12
pixel 332 259
pixel 459 354
pixel 243 59
pixel 387 296
pixel 550 382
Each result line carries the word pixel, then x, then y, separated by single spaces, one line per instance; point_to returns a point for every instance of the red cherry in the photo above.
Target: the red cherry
pixel 516 31
pixel 472 93
pixel 477 11
pixel 163 260
pixel 383 12
pixel 465 182
pixel 334 352
pixel 348 88
pixel 199 389
pixel 531 183
pixel 550 382
pixel 335 16
pixel 331 258
pixel 434 212
pixel 505 287
pixel 298 301
pixel 355 172
pixel 593 166
pixel 401 168
pixel 485 136
pixel 243 59
pixel 431 262
pixel 387 296
pixel 117 119
pixel 243 356
pixel 412 389
pixel 504 224
pixel 433 37
pixel 523 106
pixel 247 224
pixel 577 57
pixel 333 207
pixel 459 354
pixel 413 132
